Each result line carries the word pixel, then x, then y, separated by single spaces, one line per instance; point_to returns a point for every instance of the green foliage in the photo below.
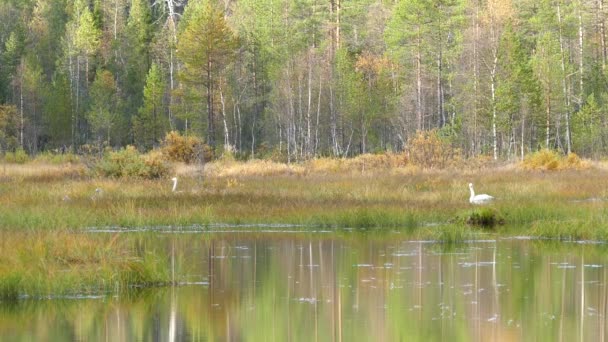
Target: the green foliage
pixel 517 92
pixel 315 80
pixel 587 127
pixel 57 158
pixel 485 217
pixel 205 46
pixel 10 286
pixel 8 128
pixel 127 162
pixel 17 157
pixel 88 35
pixel 149 126
pixel 103 114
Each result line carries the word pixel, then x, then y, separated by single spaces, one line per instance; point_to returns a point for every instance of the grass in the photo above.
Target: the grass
pixel 36 263
pixel 44 208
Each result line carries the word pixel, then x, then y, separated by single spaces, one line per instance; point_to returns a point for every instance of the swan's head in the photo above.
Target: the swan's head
pixel 98 191
pixel 470 185
pixel 174 179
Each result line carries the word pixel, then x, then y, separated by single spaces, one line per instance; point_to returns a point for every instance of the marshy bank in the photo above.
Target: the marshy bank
pixel 47 211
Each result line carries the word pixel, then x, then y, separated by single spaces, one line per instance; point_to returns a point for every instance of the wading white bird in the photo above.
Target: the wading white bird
pixel 97 194
pixel 478 199
pixel 174 179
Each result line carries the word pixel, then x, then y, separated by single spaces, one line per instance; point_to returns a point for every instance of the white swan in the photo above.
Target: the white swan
pixel 478 199
pixel 174 179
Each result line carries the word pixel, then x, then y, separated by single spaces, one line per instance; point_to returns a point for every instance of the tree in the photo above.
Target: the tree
pixel 137 58
pixel 8 128
pixel 150 125
pixel 105 105
pixel 547 66
pixel 517 91
pixel 589 133
pixel 205 46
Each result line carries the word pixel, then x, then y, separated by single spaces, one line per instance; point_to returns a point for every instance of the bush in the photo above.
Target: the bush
pixel 17 157
pixel 550 160
pixel 186 149
pixel 429 150
pixel 127 162
pixel 156 165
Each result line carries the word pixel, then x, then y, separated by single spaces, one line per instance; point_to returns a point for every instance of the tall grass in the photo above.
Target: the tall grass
pixel 42 213
pixel 42 262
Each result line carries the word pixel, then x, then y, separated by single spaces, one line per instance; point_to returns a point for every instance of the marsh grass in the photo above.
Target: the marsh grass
pixel 42 262
pixel 43 211
pixel 483 217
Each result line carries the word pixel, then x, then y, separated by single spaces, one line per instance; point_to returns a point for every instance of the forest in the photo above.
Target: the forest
pixel 299 79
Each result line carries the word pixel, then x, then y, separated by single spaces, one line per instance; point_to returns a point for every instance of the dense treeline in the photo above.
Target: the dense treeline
pixel 303 78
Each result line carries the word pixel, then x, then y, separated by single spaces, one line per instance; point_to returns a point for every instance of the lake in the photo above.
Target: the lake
pixel 282 284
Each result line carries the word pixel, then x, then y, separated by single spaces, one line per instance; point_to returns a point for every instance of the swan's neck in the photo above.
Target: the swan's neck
pixel 174 185
pixel 472 193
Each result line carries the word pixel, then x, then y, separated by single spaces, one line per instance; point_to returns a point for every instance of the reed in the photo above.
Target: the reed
pixel 44 212
pixel 59 262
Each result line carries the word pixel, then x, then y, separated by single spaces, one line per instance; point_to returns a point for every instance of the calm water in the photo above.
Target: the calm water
pixel 348 287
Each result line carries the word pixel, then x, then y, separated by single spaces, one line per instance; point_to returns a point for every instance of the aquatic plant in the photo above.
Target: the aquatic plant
pixel 484 217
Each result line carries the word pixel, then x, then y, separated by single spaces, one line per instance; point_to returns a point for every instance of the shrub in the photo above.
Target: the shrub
pixel 550 160
pixel 156 165
pixel 573 161
pixel 127 162
pixel 429 150
pixel 185 149
pixel 17 157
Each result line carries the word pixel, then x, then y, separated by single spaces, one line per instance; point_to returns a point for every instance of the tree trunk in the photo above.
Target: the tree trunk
pixel 565 88
pixel 475 80
pixel 493 91
pixel 523 126
pixel 210 123
pixel 548 118
pixel 316 146
pixel 418 83
pixel 226 136
pixel 602 31
pixel 21 111
pixel 308 109
pixel 580 47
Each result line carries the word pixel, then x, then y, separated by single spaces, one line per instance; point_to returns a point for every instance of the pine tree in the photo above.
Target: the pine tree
pixel 103 113
pixel 150 125
pixel 205 46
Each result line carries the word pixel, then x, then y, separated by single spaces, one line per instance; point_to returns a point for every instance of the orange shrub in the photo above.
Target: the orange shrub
pixel 187 149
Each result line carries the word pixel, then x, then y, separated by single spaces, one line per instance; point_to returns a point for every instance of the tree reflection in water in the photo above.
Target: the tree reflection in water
pixel 347 287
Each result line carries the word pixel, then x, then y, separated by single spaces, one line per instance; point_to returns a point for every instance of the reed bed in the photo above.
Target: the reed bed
pixel 45 212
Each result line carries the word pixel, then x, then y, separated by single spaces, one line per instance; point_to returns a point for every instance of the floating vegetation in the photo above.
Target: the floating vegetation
pixel 485 217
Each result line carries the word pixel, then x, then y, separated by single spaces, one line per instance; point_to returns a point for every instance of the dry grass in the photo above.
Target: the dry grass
pixel 41 171
pixel 42 248
pixel 40 262
pixel 255 167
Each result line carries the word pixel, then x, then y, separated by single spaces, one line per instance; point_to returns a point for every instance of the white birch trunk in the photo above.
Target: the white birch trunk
pixel 565 87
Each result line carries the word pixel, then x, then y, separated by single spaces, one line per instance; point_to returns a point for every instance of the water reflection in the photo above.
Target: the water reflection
pixel 282 287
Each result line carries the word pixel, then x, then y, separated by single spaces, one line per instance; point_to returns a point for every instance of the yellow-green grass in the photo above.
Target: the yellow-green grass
pixel 377 198
pixel 37 263
pixel 44 212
